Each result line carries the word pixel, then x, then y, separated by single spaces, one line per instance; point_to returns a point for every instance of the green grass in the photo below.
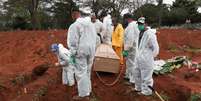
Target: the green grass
pixel 42 91
pixel 173 48
pixel 195 97
pixel 194 50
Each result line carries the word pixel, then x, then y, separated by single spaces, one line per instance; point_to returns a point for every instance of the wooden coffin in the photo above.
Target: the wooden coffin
pixel 106 60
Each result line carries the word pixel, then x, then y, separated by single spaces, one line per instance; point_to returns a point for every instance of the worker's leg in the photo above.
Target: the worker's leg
pixel 83 80
pixel 70 75
pixel 137 77
pixel 90 64
pixel 130 65
pixel 68 80
pixel 64 76
pixel 147 80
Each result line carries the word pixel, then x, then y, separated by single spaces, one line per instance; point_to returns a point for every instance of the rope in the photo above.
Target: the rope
pixel 115 81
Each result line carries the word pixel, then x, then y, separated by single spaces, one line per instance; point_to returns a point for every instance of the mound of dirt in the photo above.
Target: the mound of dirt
pixel 23 52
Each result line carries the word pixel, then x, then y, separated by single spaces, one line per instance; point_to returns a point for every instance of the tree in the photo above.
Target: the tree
pixel 29 9
pixel 61 13
pixel 23 8
pixel 115 7
pixel 32 6
pixel 149 11
pixel 188 5
pixel 177 16
pixel 160 5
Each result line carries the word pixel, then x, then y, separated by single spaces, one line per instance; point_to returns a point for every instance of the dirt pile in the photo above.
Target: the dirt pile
pixel 22 51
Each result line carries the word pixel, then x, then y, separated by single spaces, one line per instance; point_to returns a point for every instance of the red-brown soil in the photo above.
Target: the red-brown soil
pixel 21 51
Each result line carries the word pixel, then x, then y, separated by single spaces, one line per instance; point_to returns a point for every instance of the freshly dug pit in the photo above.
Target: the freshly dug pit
pixel 40 69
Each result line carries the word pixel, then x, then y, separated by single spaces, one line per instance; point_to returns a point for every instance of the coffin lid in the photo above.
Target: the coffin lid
pixel 106 51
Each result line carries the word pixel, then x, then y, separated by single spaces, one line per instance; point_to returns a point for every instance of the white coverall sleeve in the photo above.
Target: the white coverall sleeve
pixel 63 59
pixel 155 46
pixel 101 27
pixel 130 36
pixel 126 41
pixel 73 39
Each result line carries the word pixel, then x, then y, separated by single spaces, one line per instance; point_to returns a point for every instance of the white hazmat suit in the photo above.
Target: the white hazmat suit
pixel 108 28
pixel 82 43
pixel 63 56
pixel 147 50
pixel 99 29
pixel 130 44
pixel 99 26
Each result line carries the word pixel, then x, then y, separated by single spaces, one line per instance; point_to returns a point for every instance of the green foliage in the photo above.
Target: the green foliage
pixel 20 23
pixel 189 9
pixel 62 13
pixel 151 13
pixel 148 11
pixel 195 97
pixel 196 18
pixel 177 16
pixel 189 5
pixel 171 65
pixel 42 91
pixel 36 14
pixel 21 79
pixel 24 14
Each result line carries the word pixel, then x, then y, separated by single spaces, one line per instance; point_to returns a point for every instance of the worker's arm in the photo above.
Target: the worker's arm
pixel 73 38
pixel 64 59
pixel 154 45
pixel 130 36
pixel 126 39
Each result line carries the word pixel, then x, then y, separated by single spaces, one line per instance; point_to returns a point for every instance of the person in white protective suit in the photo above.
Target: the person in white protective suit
pixel 148 48
pixel 81 41
pixel 99 29
pixel 130 44
pixel 67 63
pixel 108 29
pixel 64 60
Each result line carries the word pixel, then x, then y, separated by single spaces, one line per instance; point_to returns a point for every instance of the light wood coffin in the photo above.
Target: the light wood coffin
pixel 106 60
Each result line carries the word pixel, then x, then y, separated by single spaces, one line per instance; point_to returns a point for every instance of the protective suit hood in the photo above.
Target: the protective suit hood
pixel 85 21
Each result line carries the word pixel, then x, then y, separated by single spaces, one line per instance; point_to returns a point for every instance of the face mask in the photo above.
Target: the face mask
pixel 141 27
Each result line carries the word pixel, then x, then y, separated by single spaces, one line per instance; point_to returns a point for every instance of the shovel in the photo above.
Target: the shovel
pixel 159 96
